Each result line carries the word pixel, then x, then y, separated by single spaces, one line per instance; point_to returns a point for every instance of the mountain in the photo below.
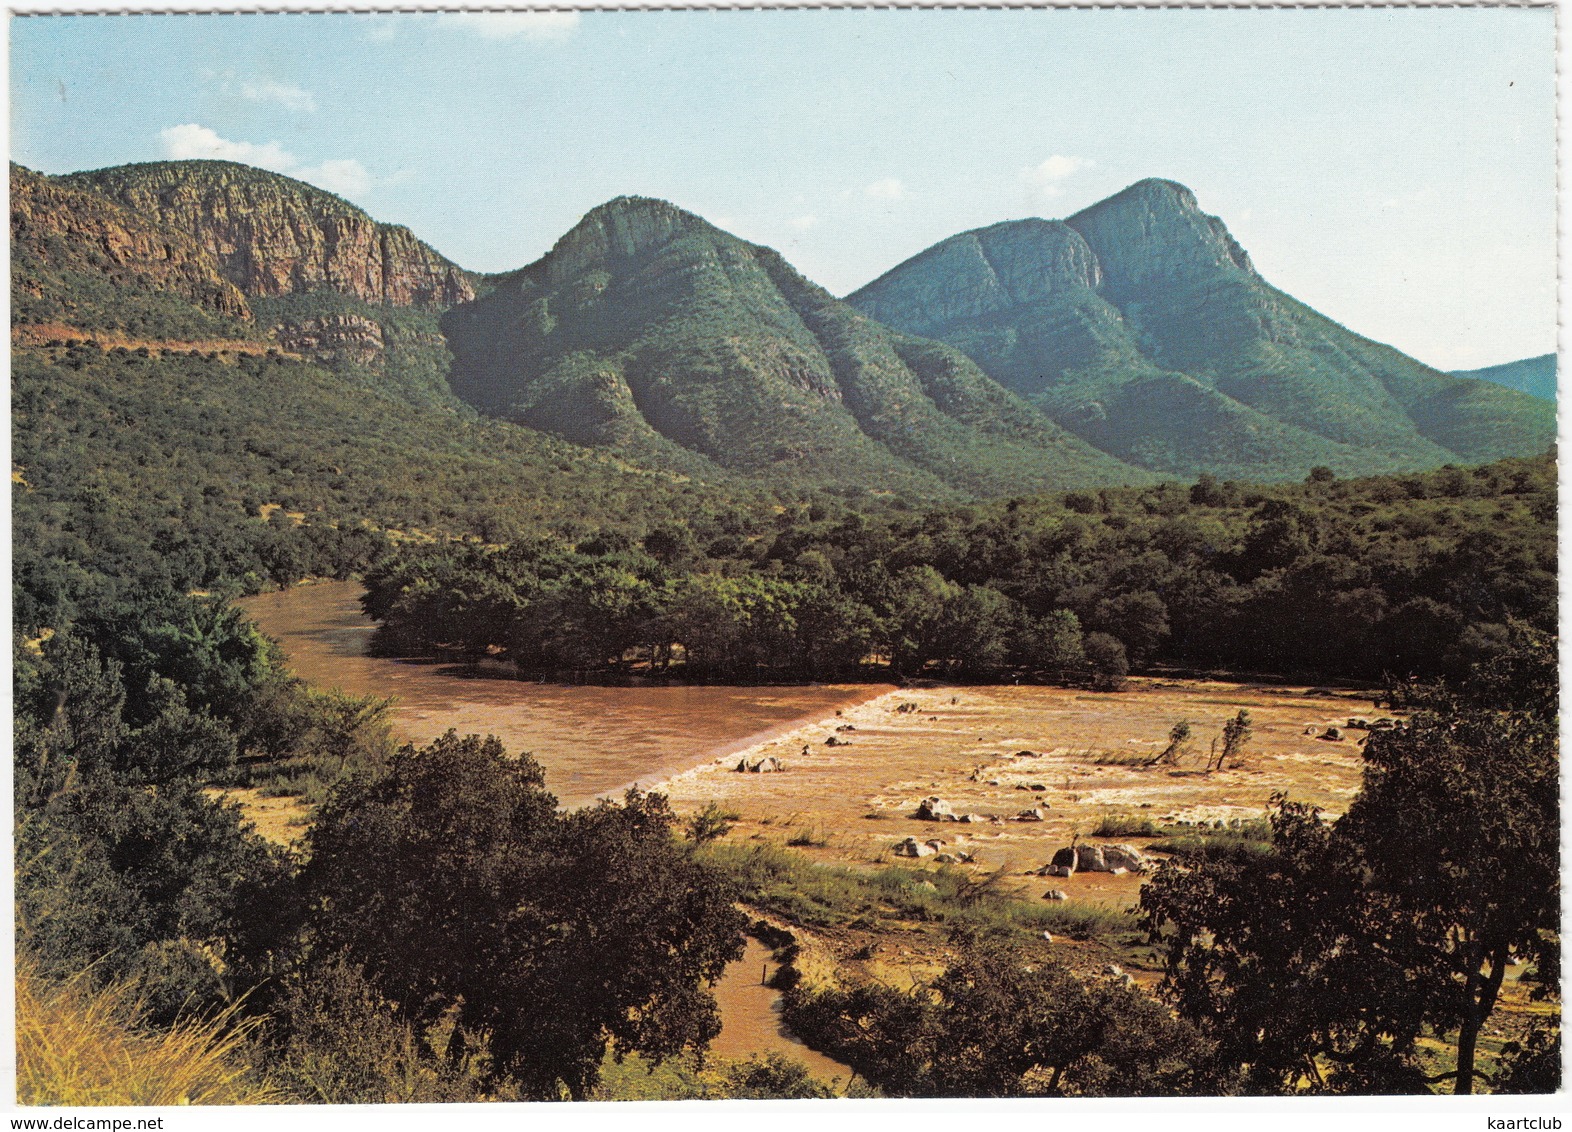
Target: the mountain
pixel 1534 376
pixel 79 259
pixel 165 424
pixel 281 261
pixel 649 331
pixel 273 235
pixel 1142 326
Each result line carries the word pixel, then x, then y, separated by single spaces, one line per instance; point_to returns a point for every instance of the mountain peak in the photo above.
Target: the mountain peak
pixel 1155 229
pixel 1150 192
pixel 621 229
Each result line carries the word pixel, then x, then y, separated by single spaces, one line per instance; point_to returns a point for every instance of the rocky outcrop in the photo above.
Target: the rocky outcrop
pixel 57 228
pixel 348 336
pixel 760 764
pixel 1155 231
pixel 985 272
pixel 1126 857
pixel 273 235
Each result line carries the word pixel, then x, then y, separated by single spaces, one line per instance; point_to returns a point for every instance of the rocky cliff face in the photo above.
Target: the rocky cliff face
pixel 984 272
pixel 1141 325
pixel 272 235
pixel 60 230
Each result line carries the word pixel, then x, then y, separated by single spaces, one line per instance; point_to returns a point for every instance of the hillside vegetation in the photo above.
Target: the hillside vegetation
pixel 646 330
pixel 225 380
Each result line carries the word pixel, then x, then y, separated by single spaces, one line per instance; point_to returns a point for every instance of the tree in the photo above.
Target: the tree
pixel 1328 958
pixel 1105 656
pixel 1003 1022
pixel 454 882
pixel 1139 620
pixel 1458 823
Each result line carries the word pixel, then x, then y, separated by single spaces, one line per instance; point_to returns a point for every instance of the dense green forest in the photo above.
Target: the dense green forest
pixel 200 470
pixel 1417 575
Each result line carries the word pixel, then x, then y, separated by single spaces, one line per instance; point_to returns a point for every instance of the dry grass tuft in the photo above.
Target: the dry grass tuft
pixel 80 1045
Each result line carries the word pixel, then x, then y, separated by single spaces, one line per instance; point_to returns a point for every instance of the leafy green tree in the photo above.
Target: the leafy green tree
pixel 1106 658
pixel 453 880
pixel 123 863
pixel 1001 1022
pixel 1139 620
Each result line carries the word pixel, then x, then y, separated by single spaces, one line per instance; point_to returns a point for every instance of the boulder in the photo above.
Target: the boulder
pixel 1055 894
pixel 948 859
pixel 1126 857
pixel 1028 754
pixel 935 808
pixel 911 847
pixel 1063 859
pixel 1331 734
pixel 1089 859
pixel 1033 814
pixel 765 764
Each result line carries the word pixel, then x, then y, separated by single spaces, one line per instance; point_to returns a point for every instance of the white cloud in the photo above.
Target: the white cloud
pixel 1048 177
pixel 290 97
pixel 887 188
pixel 342 175
pixel 532 26
pixel 383 29
pixel 803 223
pixel 190 140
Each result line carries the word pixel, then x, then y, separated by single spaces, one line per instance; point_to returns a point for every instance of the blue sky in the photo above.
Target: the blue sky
pixel 1395 169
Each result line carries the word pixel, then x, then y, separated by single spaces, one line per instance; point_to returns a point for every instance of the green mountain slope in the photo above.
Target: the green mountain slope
pixel 649 331
pixel 166 425
pixel 1534 376
pixel 1141 325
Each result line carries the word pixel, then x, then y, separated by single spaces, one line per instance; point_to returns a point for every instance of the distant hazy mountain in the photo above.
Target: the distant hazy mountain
pixel 1141 325
pixel 650 331
pixel 1534 376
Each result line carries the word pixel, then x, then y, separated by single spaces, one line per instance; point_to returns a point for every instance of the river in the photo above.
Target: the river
pixel 592 741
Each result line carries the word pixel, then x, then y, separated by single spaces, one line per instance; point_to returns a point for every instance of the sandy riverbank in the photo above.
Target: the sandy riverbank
pixel 998 750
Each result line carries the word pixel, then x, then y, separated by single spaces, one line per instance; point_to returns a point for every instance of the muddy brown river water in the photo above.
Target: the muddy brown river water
pixel 592 741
